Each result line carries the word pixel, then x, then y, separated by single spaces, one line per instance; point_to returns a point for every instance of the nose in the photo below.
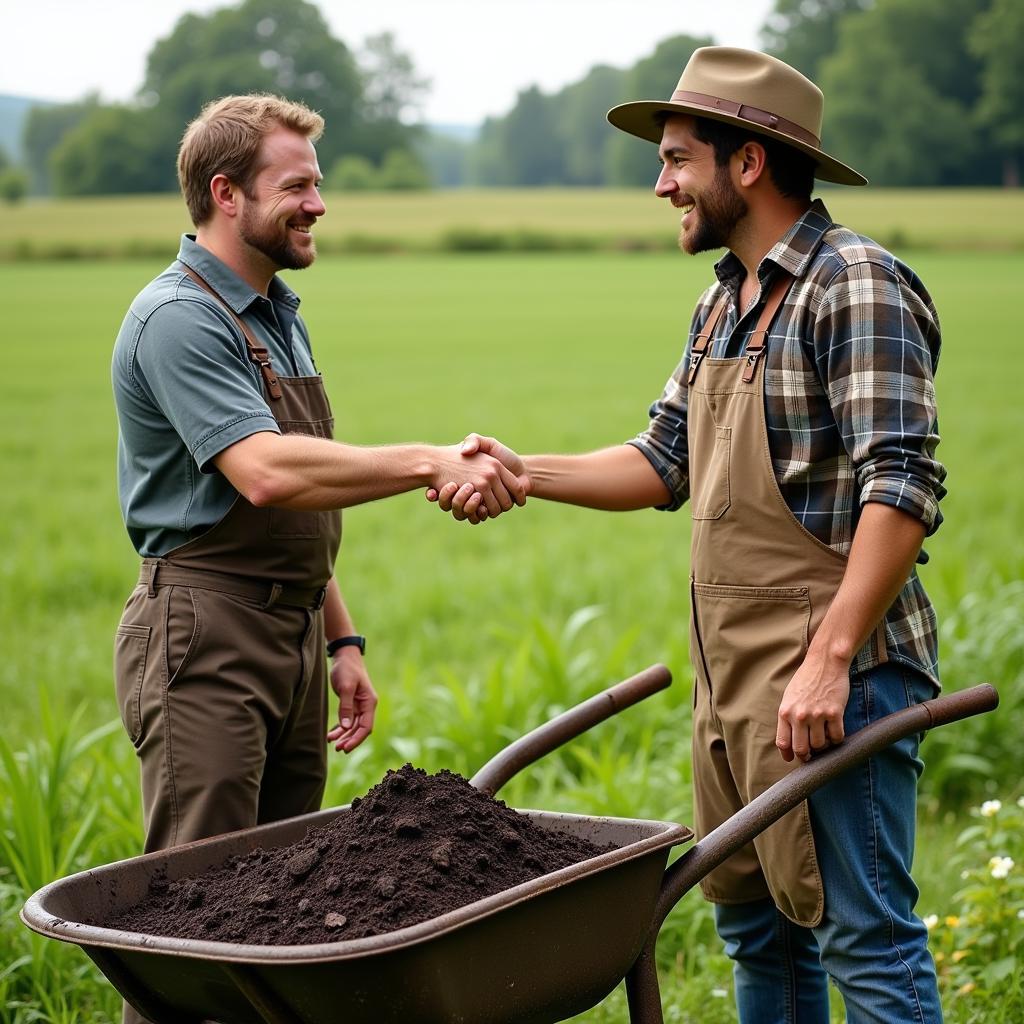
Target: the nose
pixel 314 204
pixel 666 184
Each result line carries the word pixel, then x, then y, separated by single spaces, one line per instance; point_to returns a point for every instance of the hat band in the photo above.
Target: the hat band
pixel 764 118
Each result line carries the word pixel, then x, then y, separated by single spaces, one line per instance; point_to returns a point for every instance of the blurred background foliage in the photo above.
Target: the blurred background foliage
pixel 919 92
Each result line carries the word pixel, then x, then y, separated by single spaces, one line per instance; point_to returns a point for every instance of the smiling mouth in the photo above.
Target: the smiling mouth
pixel 301 228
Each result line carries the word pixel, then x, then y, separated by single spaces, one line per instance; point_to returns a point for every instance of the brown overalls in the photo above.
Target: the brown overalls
pixel 219 659
pixel 760 586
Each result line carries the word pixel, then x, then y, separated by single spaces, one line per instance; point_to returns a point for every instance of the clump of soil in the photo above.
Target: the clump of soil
pixel 415 847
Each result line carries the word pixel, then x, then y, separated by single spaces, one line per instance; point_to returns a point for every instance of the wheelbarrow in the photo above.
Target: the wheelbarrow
pixel 540 952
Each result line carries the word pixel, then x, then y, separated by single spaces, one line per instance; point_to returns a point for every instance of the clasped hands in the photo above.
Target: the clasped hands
pixel 494 479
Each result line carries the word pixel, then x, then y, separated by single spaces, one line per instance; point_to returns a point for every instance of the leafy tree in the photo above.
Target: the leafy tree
pixel 281 46
pixel 804 32
pixel 585 134
pixel 633 161
pixel 404 171
pixel 995 38
pixel 13 185
pixel 352 174
pixel 532 151
pixel 114 150
pixel 486 158
pixel 445 157
pixel 900 90
pixel 392 98
pixel 43 131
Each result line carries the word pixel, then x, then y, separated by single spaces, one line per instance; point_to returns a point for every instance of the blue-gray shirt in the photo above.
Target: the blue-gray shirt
pixel 186 389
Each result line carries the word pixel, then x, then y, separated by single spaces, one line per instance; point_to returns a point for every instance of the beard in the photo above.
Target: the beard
pixel 273 241
pixel 718 213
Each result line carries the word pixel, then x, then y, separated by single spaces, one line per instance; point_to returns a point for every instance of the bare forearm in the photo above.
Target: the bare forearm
pixel 617 479
pixel 882 557
pixel 295 471
pixel 299 472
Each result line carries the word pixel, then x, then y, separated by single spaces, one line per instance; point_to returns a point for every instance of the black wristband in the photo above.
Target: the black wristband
pixel 346 641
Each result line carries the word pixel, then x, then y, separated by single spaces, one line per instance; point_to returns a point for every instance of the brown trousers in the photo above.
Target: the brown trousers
pixel 226 705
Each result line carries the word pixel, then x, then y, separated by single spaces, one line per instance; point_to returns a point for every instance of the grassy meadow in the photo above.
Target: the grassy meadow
pixel 476 634
pixel 495 219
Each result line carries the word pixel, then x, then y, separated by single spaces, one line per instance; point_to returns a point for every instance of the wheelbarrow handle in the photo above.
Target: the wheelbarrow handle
pixel 568 725
pixel 773 803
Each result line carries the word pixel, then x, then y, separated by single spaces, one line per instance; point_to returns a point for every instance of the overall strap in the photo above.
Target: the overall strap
pixel 759 336
pixel 701 342
pixel 257 352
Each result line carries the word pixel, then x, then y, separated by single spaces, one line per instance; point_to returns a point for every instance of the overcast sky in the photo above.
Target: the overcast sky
pixel 477 53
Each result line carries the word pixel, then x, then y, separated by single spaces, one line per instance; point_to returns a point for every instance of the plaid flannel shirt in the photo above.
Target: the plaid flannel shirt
pixel 849 399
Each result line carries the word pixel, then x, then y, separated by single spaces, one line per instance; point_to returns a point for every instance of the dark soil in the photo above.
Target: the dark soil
pixel 415 847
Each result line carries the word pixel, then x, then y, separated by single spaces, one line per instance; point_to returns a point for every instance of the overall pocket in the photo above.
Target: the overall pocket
pixel 715 495
pixel 131 650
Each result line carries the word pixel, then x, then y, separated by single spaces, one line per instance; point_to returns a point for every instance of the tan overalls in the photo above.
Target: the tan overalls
pixel 219 657
pixel 760 586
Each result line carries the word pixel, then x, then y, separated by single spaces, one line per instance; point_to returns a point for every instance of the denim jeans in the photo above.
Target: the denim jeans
pixel 869 941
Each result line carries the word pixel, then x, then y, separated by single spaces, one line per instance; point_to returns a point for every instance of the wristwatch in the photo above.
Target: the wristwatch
pixel 346 641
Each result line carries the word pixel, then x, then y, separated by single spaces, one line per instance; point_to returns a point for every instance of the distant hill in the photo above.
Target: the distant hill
pixel 12 119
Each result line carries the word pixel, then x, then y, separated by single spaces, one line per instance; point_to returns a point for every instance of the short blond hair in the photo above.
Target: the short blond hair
pixel 226 138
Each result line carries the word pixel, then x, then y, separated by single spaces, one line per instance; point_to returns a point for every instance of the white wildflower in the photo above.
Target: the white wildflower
pixel 719 993
pixel 1020 802
pixel 931 921
pixel 990 808
pixel 999 867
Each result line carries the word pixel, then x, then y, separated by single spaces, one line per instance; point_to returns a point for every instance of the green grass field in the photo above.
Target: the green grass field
pixel 476 635
pixel 956 220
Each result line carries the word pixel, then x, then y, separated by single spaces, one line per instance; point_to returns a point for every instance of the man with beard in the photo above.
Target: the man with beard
pixel 230 485
pixel 801 427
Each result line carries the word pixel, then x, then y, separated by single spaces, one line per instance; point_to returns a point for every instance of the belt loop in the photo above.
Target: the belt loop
pixel 275 593
pixel 151 587
pixel 318 601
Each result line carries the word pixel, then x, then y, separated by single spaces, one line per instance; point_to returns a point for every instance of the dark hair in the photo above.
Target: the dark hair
pixel 792 171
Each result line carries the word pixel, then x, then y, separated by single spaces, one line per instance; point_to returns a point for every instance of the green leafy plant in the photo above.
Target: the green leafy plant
pixel 979 943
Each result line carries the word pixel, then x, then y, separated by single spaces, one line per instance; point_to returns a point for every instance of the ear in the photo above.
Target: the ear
pixel 752 162
pixel 225 194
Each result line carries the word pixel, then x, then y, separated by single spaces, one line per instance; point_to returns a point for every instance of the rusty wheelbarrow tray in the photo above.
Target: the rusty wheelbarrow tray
pixel 540 952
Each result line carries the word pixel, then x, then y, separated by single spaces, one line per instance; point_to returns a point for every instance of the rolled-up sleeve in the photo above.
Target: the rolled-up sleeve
pixel 877 346
pixel 664 440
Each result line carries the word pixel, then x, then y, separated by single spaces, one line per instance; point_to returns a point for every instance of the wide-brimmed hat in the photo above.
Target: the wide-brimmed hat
pixel 749 89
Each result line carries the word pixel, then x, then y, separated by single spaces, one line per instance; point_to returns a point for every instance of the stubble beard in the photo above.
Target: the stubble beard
pixel 273 243
pixel 719 212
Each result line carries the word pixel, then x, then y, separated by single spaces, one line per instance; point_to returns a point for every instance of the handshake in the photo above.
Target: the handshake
pixel 494 476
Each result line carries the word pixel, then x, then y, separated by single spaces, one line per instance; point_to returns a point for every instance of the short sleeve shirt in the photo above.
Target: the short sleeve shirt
pixel 185 389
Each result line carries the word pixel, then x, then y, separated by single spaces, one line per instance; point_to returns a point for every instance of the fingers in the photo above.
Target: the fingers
pixel 802 737
pixel 784 740
pixel 357 702
pixel 474 443
pixel 346 740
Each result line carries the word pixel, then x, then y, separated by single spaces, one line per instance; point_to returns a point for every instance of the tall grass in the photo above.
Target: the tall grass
pixel 476 635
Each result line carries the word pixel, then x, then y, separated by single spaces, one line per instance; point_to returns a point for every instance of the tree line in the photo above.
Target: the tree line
pixel 918 92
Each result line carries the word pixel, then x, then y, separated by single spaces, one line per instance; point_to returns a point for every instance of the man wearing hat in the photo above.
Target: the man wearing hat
pixel 801 427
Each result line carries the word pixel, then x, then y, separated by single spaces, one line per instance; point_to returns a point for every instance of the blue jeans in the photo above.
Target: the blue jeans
pixel 869 941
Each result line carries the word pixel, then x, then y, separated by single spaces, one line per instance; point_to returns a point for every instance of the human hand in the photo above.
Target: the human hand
pixel 357 700
pixel 466 503
pixel 811 713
